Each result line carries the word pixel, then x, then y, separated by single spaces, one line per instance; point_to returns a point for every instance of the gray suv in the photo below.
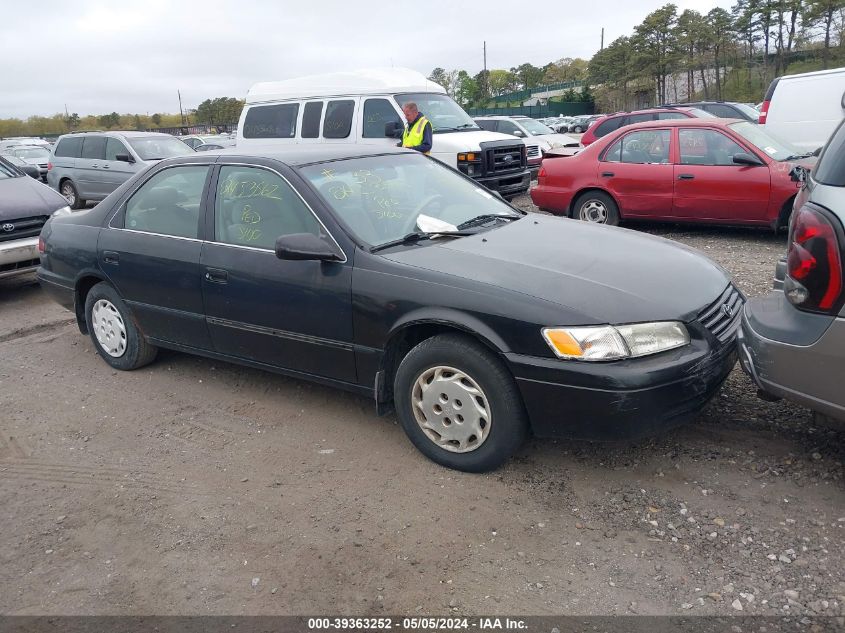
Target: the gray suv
pixel 90 165
pixel 792 342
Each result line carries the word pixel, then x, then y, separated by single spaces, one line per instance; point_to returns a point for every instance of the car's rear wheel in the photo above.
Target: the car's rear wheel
pixel 113 332
pixel 596 207
pixel 578 129
pixel 68 190
pixel 459 404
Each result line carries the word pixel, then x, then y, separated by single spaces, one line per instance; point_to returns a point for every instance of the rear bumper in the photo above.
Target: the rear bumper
pixel 18 257
pixel 510 184
pixel 57 288
pixel 619 400
pixel 807 371
pixel 552 199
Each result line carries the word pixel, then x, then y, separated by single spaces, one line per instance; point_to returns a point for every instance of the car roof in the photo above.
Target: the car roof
pixel 127 133
pixel 295 155
pixel 708 122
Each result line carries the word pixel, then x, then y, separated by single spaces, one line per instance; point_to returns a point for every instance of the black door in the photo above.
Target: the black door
pixel 291 314
pixel 152 253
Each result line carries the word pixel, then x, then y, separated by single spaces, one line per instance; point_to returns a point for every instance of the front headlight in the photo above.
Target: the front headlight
pixel 607 342
pixel 60 212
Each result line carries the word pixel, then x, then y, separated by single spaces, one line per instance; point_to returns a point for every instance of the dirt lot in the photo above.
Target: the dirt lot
pixel 198 487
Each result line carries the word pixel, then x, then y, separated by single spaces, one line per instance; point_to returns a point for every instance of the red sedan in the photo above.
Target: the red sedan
pixel 718 171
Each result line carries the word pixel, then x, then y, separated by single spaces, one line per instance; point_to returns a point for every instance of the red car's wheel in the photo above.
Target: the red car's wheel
pixel 596 207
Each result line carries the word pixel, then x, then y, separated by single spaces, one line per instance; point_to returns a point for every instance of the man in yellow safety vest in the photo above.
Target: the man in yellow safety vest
pixel 417 134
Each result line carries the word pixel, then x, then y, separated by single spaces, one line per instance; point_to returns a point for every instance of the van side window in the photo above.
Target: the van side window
pixel 311 119
pixel 69 147
pixel 272 121
pixel 338 123
pixel 377 112
pixel 94 147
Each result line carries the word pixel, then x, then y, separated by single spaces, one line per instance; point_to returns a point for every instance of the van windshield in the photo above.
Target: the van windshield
pixel 159 147
pixel 445 115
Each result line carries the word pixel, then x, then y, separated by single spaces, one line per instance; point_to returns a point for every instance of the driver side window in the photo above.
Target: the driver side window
pixel 255 206
pixel 506 127
pixel 168 203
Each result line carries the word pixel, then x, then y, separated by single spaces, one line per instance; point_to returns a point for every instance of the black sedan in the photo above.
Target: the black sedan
pixel 386 273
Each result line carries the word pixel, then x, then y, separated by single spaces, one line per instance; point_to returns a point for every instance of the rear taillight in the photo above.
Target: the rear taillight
pixel 764 111
pixel 813 263
pixel 541 175
pixel 49 166
pixel 41 246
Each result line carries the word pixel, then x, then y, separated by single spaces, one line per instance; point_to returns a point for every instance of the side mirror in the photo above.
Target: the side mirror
pixel 31 170
pixel 124 158
pixel 305 246
pixel 519 133
pixel 798 174
pixel 743 158
pixel 393 129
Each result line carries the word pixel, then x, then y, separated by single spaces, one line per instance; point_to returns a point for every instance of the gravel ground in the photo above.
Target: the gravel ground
pixel 197 487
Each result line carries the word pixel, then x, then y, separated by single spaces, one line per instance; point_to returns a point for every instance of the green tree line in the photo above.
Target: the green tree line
pixel 731 55
pixel 216 111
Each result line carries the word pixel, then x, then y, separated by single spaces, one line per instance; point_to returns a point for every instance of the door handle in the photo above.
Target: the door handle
pixel 106 167
pixel 110 257
pixel 686 177
pixel 607 174
pixel 216 275
pixel 94 165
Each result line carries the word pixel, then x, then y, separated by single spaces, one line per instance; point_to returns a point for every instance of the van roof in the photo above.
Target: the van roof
pixel 357 82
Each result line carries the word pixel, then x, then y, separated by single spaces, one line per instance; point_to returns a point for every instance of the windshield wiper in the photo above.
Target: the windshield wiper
pixel 464 126
pixel 418 236
pixel 797 156
pixel 486 217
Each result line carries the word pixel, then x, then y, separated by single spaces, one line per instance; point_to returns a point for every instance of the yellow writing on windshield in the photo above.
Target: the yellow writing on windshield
pixel 234 189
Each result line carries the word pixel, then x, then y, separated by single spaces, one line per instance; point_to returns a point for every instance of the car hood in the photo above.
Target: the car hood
pixel 600 274
pixel 558 140
pixel 26 197
pixel 467 141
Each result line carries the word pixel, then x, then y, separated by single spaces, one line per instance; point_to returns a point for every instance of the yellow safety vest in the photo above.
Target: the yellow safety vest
pixel 412 137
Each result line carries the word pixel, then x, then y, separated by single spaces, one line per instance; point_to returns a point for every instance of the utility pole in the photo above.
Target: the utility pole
pixel 181 114
pixel 485 56
pixel 602 39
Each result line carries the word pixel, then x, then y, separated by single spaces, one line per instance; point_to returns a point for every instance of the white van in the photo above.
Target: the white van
pixel 364 107
pixel 805 109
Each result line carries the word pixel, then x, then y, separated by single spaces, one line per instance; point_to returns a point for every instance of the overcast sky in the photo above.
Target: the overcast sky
pixel 129 56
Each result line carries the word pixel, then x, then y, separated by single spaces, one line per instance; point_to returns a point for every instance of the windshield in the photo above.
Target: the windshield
pixel 535 128
pixel 757 136
pixel 445 115
pixel 702 114
pixel 384 198
pixel 748 111
pixel 32 152
pixel 158 147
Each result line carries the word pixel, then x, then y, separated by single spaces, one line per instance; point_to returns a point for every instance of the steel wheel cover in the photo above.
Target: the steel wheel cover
pixel 109 328
pixel 593 211
pixel 451 409
pixel 67 192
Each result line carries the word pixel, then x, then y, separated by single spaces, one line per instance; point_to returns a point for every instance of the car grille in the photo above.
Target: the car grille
pixel 504 159
pixel 533 151
pixel 22 227
pixel 722 317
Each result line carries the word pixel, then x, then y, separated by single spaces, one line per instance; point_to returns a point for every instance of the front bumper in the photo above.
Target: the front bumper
pixel 18 257
pixel 623 399
pixel 792 354
pixel 509 184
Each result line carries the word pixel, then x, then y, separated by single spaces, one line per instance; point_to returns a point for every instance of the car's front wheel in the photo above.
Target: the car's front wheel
pixel 596 207
pixel 459 404
pixel 68 190
pixel 113 332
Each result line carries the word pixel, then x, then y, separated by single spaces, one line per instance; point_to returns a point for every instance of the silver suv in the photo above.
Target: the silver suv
pixel 90 165
pixel 792 342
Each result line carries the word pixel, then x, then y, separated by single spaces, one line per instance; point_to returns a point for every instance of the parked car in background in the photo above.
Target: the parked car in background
pixel 25 205
pixel 36 155
pixel 724 109
pixel 193 141
pixel 90 165
pixel 579 124
pixel 609 123
pixel 792 342
pixel 683 170
pixel 381 271
pixel 364 107
pixel 539 139
pixel 805 109
pixel 212 144
pixel 14 141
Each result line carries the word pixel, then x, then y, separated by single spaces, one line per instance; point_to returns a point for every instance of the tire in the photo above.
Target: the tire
pixel 71 194
pixel 596 207
pixel 113 332
pixel 577 129
pixel 465 368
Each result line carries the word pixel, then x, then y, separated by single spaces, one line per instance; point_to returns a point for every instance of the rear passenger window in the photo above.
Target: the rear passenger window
pixel 606 127
pixel 338 123
pixel 94 147
pixel 168 203
pixel 114 148
pixel 311 119
pixel 665 116
pixel 272 121
pixel 639 118
pixel 722 111
pixel 377 112
pixel 69 147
